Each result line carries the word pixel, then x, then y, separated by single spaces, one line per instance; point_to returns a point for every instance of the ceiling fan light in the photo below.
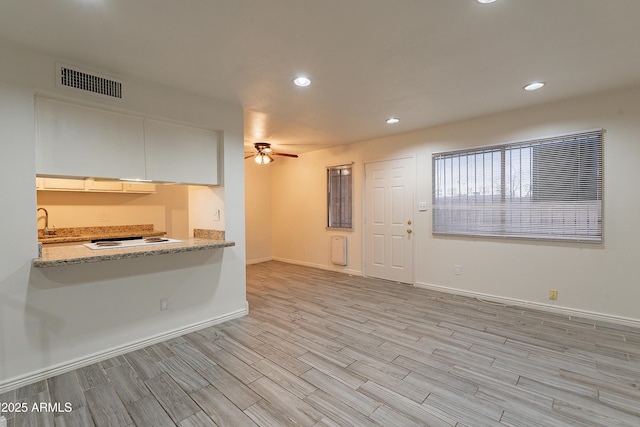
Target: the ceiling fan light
pixel 263 159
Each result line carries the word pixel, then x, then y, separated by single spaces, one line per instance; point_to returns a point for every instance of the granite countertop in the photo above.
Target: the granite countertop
pixel 55 256
pixel 85 234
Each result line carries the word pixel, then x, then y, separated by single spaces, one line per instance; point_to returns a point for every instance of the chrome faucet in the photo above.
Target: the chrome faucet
pixel 46 223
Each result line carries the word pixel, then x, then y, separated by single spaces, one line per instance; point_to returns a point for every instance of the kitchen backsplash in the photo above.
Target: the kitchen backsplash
pixel 203 233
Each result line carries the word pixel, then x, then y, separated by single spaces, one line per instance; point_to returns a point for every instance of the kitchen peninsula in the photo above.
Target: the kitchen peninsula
pixel 57 255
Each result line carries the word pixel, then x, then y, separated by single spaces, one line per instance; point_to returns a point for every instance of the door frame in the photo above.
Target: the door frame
pixel 414 211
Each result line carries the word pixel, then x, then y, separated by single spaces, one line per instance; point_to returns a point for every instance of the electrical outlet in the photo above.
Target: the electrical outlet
pixel 553 294
pixel 164 304
pixel 457 269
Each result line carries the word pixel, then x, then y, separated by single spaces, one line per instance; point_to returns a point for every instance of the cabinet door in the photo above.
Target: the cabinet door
pixel 63 184
pixel 107 186
pixel 74 140
pixel 139 188
pixel 179 153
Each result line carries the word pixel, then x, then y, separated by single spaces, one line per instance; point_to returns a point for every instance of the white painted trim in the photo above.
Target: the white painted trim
pixel 71 365
pixel 259 260
pixel 320 266
pixel 566 311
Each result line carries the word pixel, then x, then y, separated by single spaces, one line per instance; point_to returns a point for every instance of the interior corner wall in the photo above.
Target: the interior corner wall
pixel 597 280
pixel 56 319
pixel 203 201
pixel 299 206
pixel 258 196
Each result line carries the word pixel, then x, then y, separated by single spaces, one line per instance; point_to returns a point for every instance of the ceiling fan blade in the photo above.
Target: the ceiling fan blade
pixel 285 154
pixel 249 156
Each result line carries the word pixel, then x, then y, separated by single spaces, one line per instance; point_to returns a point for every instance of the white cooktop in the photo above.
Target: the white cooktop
pixel 119 244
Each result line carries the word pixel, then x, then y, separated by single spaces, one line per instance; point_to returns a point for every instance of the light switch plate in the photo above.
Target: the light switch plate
pixel 216 214
pixel 422 206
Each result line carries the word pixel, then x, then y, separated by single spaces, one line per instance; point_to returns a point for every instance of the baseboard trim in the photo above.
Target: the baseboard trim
pixel 337 269
pixel 259 260
pixel 555 309
pixel 61 368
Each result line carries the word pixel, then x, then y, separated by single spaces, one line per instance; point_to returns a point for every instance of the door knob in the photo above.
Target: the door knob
pixel 409 230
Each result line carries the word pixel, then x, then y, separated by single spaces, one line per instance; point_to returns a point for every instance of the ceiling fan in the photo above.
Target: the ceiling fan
pixel 265 154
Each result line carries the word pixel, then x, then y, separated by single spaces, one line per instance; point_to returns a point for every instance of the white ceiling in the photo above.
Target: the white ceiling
pixel 425 61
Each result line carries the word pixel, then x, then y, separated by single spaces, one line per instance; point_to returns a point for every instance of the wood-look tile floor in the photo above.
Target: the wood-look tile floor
pixel 325 349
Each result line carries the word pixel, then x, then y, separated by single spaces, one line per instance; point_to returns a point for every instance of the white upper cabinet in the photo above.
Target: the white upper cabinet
pixel 78 141
pixel 74 140
pixel 179 153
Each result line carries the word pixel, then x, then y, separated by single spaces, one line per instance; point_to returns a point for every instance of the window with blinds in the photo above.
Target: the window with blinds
pixel 339 196
pixel 542 189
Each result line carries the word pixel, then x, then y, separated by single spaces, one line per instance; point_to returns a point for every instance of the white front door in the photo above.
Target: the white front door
pixel 389 190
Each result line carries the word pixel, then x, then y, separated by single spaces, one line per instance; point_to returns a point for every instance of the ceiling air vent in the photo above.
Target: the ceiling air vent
pixel 87 81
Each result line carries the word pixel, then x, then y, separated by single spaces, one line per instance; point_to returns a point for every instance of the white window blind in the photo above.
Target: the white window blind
pixel 549 188
pixel 339 193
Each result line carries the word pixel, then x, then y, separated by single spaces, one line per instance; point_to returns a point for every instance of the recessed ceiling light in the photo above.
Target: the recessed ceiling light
pixel 302 81
pixel 392 120
pixel 534 86
pixel 486 1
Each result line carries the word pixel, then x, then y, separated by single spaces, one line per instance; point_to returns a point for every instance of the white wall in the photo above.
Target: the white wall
pixel 258 194
pixel 53 318
pixel 202 202
pixel 596 279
